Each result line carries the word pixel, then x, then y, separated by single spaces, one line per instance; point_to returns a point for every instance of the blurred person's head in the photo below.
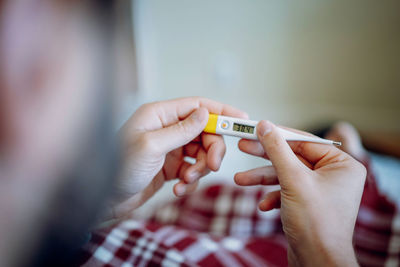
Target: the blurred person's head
pixel 56 151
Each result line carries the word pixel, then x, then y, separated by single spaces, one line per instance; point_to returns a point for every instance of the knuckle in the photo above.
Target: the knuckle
pixel 151 106
pixel 184 129
pixel 147 143
pixel 198 98
pixel 273 144
pixel 362 170
pixel 156 104
pixel 146 107
pixel 357 169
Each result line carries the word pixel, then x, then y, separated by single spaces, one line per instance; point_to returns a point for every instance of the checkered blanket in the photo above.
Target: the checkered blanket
pixel 221 226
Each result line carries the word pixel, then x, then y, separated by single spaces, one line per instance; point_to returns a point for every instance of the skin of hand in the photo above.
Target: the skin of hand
pixel 321 189
pixel 156 140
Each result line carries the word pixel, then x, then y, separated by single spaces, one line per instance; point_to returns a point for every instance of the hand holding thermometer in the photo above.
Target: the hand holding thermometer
pixel 218 124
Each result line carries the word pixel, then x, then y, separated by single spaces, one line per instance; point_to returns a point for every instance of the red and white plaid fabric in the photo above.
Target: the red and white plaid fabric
pixel 377 232
pixel 221 226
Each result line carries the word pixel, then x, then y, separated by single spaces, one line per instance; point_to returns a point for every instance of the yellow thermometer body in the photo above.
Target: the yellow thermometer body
pixel 224 125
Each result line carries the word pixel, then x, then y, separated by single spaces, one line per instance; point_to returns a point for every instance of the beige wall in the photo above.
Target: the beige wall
pixel 295 64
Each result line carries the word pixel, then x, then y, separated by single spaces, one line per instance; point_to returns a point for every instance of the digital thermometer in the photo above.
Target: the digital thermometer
pixel 218 124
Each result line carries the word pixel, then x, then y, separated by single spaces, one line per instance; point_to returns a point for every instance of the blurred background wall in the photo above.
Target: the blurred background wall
pixel 295 63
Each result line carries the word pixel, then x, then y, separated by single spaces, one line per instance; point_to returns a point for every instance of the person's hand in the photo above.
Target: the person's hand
pixel 321 189
pixel 156 140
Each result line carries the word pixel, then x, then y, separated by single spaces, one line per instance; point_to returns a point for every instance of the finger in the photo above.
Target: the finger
pixel 184 106
pixel 182 170
pixel 179 134
pixel 192 149
pixel 171 111
pixel 259 176
pixel 311 152
pixel 256 149
pixel 190 188
pixel 278 150
pixel 181 188
pixel 255 145
pixel 215 147
pixel 271 201
pixel 197 170
pixel 251 147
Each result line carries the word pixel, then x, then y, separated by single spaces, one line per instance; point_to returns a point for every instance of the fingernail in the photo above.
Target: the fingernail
pixel 264 127
pixel 180 189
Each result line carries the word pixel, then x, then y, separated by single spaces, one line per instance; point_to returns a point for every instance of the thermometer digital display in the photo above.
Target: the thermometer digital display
pixel 218 124
pixel 243 128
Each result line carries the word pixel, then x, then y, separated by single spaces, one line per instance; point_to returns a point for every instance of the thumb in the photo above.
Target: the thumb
pixel 179 134
pixel 278 150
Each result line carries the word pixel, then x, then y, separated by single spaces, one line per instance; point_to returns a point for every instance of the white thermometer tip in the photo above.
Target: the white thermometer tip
pixel 337 143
